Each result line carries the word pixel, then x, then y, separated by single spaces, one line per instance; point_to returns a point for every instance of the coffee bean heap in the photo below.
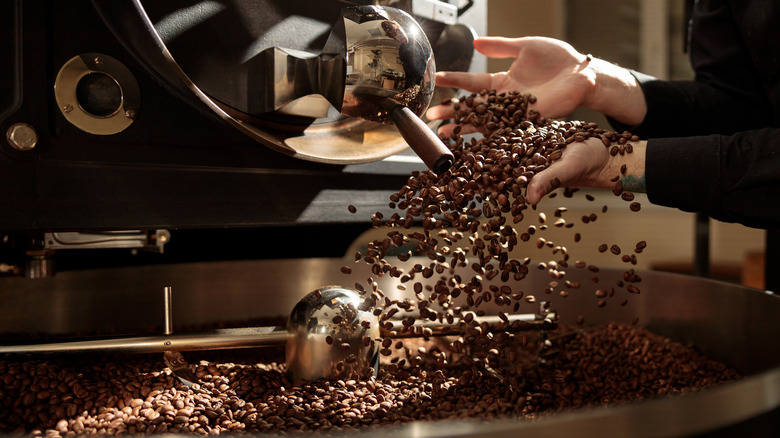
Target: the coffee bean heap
pixel 100 394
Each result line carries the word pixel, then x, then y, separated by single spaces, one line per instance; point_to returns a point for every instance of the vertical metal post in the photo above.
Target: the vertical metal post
pixel 168 291
pixel 174 359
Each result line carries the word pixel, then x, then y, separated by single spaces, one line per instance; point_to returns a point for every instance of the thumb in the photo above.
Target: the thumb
pixel 540 185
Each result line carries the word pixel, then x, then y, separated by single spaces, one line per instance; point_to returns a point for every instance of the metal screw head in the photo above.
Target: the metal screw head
pixel 22 136
pixel 67 108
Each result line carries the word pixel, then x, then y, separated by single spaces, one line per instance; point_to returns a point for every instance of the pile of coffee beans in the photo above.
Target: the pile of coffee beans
pixel 87 394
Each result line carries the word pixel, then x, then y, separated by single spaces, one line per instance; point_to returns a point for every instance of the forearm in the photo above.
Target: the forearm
pixel 731 178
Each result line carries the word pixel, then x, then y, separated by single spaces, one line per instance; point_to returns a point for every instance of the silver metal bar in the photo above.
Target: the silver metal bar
pixel 248 337
pixel 168 299
pixel 216 340
pixel 518 322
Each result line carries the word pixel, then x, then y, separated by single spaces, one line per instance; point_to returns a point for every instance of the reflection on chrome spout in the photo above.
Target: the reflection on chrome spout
pixel 372 55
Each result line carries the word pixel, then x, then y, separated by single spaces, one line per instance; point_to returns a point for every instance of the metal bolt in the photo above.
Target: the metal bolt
pixel 130 114
pixel 22 136
pixel 98 60
pixel 67 108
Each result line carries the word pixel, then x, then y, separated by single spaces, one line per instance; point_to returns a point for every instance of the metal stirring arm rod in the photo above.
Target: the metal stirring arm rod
pixel 247 337
pixel 218 339
pixel 518 322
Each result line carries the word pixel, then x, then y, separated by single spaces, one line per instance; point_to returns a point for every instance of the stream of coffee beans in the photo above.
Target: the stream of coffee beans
pixel 470 217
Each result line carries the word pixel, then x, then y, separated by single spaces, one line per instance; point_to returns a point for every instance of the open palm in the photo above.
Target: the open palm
pixel 549 69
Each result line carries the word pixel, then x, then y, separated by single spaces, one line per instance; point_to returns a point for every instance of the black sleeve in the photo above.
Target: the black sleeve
pixel 734 178
pixel 728 93
pixel 684 108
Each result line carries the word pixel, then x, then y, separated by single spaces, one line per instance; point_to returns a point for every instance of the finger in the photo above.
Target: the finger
pixel 499 47
pixel 473 82
pixel 447 129
pixel 440 112
pixel 536 190
pixel 541 184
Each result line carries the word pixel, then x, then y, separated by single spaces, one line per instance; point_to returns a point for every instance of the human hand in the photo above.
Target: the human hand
pixel 561 79
pixel 547 68
pixel 587 164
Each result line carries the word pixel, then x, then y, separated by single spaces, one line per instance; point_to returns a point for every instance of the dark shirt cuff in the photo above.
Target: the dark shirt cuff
pixel 684 172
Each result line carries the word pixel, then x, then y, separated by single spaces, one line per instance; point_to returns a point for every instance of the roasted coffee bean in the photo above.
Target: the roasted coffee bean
pixel 635 206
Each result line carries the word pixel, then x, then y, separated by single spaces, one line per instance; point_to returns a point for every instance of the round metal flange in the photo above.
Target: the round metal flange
pixel 97 94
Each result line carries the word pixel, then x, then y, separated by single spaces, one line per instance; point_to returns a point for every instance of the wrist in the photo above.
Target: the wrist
pixel 616 93
pixel 627 169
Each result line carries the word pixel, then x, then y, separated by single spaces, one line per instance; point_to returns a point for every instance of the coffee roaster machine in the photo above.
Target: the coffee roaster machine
pixel 144 121
pixel 139 151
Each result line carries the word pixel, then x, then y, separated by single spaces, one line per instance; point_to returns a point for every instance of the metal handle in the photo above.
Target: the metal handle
pixel 422 139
